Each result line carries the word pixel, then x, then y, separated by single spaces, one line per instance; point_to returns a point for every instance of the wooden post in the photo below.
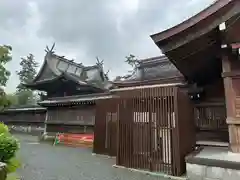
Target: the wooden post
pixel 231 79
pixel 232 97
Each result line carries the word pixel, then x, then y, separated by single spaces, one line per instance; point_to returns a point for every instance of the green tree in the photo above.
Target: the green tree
pixel 12 98
pixel 26 74
pixel 4 101
pixel 25 97
pixel 131 60
pixel 5 57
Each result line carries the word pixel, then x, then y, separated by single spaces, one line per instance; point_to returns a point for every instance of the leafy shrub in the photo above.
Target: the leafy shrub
pixel 8 148
pixel 3 129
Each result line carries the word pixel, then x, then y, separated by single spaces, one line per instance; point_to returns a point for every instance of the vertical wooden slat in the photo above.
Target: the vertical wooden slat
pixel 149 110
pixel 143 143
pixel 168 127
pixel 118 131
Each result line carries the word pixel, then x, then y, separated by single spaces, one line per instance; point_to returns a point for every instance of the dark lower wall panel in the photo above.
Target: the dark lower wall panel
pixel 74 129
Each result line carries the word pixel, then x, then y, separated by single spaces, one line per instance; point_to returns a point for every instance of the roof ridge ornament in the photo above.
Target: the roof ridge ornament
pixel 222 26
pixel 47 50
pixel 106 74
pixel 99 63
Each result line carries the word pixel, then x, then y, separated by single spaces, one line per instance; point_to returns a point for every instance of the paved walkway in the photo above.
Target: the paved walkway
pixel 45 162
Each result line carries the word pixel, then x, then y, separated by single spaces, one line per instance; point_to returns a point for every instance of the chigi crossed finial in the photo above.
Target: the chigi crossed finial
pixel 99 63
pixel 47 50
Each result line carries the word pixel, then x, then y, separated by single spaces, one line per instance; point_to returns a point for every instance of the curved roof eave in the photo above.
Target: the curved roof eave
pixel 47 61
pixel 42 82
pixel 164 80
pixel 212 9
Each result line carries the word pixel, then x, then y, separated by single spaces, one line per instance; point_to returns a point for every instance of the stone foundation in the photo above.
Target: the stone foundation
pixel 47 137
pixel 201 172
pixel 213 164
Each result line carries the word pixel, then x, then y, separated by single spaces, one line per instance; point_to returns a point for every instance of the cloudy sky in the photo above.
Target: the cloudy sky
pixel 84 29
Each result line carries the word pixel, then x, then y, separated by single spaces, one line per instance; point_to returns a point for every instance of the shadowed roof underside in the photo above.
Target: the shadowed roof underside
pixel 203 15
pixel 194 46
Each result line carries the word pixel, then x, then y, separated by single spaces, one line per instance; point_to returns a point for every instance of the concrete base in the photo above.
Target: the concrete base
pixel 151 173
pixel 103 155
pixel 47 138
pixel 213 164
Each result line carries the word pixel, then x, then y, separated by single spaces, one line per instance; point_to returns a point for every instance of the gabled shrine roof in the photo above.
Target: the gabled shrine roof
pixel 194 46
pixel 151 69
pixel 56 67
pixel 194 20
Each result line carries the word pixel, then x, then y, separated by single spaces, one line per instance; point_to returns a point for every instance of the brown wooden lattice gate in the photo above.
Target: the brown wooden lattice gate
pixel 105 130
pixel 155 128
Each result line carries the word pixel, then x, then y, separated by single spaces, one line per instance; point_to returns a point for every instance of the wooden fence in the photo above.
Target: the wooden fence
pixel 155 129
pixel 149 128
pixel 74 119
pixel 23 117
pixel 210 121
pixel 105 130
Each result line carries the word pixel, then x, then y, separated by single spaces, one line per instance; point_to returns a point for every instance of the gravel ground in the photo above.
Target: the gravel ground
pixel 45 162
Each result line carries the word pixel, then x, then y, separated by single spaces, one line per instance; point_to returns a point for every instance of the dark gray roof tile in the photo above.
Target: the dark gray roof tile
pixel 55 66
pixel 153 68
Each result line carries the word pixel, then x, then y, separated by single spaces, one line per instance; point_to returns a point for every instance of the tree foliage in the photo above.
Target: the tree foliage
pixel 131 60
pixel 9 145
pixel 27 72
pixel 4 101
pixel 24 97
pixel 12 98
pixel 5 57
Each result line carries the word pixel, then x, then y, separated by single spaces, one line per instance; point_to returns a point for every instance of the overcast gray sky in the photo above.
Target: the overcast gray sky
pixel 84 29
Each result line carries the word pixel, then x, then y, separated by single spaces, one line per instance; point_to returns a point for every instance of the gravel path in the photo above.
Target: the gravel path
pixel 45 162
